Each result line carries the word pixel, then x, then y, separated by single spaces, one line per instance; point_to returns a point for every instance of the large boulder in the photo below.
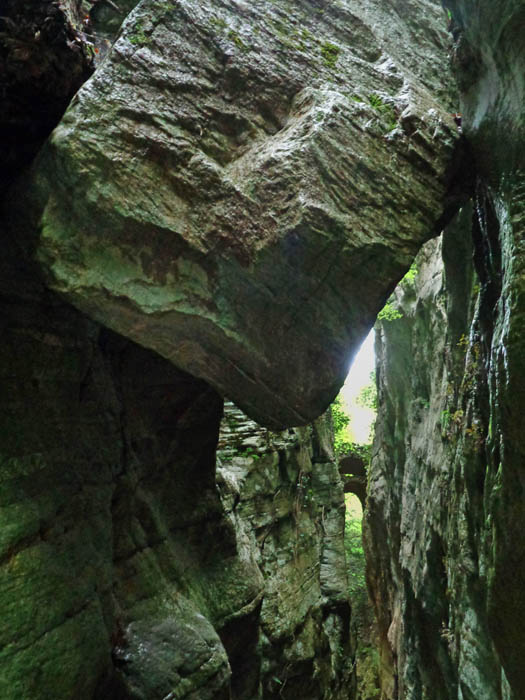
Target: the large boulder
pixel 240 186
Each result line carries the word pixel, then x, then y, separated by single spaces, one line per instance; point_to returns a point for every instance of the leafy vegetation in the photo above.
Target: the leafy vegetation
pixel 340 420
pixel 389 312
pixel 410 276
pixel 236 39
pixel 368 394
pixel 367 658
pixel 355 557
pixel 330 53
pixel 139 38
pixel 384 109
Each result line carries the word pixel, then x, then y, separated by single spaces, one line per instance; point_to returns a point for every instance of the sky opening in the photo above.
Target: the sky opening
pixel 361 417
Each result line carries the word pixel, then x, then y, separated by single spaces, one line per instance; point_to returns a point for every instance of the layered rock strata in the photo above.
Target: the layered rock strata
pixel 240 186
pixel 446 495
pixel 284 497
pixel 117 563
pixel 122 573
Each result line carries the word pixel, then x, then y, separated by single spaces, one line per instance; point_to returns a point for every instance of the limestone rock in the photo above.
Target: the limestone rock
pixel 445 501
pixel 122 573
pixel 118 565
pixel 240 185
pixel 446 515
pixel 285 500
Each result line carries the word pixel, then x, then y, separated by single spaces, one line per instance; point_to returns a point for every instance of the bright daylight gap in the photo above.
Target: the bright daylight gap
pixel 358 377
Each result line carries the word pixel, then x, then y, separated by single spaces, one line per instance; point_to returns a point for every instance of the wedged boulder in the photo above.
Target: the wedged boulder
pixel 239 186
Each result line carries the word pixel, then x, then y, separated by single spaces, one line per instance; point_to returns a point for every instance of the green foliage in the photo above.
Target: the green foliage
pixel 361 451
pixel 355 557
pixel 384 109
pixel 368 395
pixel 389 313
pixel 249 453
pixel 138 37
pixel 410 276
pixel 218 22
pixel 343 445
pixel 376 102
pixel 445 421
pixel 330 53
pixel 340 418
pixel 340 421
pixel 367 656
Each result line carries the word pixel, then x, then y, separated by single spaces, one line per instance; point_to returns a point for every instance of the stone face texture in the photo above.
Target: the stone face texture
pixel 240 186
pixel 122 574
pixel 446 516
pixel 118 566
pixel 285 501
pixel 445 503
pixel 422 531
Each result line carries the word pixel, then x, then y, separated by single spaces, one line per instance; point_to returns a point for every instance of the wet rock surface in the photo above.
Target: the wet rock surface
pixel 445 495
pixel 117 564
pixel 240 186
pixel 445 515
pixel 122 572
pixel 284 496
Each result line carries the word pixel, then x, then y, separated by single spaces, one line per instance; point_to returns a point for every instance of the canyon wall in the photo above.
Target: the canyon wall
pixel 222 211
pixel 284 497
pixel 445 520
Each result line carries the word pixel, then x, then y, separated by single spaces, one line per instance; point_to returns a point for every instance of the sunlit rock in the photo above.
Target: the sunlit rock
pixel 240 185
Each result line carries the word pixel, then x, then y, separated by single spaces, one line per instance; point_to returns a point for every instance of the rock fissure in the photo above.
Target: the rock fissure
pixel 228 202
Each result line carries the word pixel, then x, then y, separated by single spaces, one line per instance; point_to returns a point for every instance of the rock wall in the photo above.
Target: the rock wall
pixel 284 496
pixel 238 188
pixel 445 520
pixel 116 559
pixel 123 574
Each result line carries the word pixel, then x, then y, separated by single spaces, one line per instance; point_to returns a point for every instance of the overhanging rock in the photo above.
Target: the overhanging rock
pixel 240 185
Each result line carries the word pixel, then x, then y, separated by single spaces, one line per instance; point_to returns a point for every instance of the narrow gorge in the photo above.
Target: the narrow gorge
pixel 204 206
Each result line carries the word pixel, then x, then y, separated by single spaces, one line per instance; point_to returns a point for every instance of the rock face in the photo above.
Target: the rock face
pixel 240 185
pixel 122 573
pixel 446 515
pixel 113 539
pixel 285 500
pixel 225 206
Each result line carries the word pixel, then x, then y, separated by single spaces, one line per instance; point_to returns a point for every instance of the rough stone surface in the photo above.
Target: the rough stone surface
pixel 122 576
pixel 445 502
pixel 285 500
pixel 118 567
pixel 446 516
pixel 239 186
